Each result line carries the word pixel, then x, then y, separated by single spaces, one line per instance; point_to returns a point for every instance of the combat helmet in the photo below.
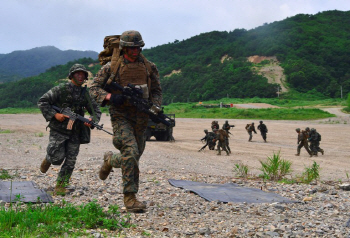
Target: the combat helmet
pixel 307 129
pixel 130 39
pixel 313 130
pixel 298 129
pixel 205 130
pixel 76 68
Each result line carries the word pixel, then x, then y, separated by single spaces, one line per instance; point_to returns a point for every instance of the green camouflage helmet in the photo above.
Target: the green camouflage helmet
pixel 76 68
pixel 130 39
pixel 298 129
pixel 313 129
pixel 307 129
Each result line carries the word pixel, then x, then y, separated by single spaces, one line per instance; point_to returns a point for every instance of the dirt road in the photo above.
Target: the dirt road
pixel 25 147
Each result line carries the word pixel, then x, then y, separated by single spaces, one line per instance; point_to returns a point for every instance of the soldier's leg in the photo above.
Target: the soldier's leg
pixel 72 150
pixel 298 149
pixel 318 148
pixel 124 140
pixel 224 147
pixel 56 150
pixel 313 149
pixel 250 136
pixel 219 148
pixel 203 147
pixel 264 136
pixel 306 146
pixel 227 145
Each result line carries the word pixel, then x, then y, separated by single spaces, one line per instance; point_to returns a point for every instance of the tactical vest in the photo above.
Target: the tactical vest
pixel 66 100
pixel 134 73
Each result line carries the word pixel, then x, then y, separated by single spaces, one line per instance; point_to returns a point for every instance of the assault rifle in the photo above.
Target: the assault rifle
pixel 74 116
pixel 134 95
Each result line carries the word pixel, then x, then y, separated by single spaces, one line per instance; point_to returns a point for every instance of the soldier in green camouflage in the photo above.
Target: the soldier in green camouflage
pixel 226 127
pixel 263 130
pixel 302 142
pixel 64 143
pixel 314 139
pixel 250 128
pixel 128 123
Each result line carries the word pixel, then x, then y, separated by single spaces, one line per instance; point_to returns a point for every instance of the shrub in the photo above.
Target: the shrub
pixel 311 173
pixel 241 170
pixel 275 168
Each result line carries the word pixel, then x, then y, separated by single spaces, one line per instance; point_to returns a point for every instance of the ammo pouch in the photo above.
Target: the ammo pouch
pixel 85 135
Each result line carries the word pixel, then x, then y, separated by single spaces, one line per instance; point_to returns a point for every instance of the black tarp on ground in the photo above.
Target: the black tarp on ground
pixel 26 189
pixel 229 192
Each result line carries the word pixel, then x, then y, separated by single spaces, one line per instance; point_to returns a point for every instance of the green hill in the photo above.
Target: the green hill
pixel 313 50
pixel 26 63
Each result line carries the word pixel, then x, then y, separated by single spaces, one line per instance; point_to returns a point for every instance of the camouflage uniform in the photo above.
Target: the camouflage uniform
pixel 221 136
pixel 263 130
pixel 315 138
pixel 250 128
pixel 210 140
pixel 226 127
pixel 129 125
pixel 64 144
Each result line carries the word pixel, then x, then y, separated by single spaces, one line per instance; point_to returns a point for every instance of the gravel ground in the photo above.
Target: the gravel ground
pixel 321 210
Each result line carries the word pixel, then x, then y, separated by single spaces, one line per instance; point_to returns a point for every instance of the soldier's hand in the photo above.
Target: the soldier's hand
pixel 60 117
pixel 88 124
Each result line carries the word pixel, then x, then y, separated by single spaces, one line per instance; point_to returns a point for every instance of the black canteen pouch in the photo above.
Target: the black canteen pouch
pixel 85 135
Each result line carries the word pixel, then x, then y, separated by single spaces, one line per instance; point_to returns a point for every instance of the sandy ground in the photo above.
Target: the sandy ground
pixel 25 148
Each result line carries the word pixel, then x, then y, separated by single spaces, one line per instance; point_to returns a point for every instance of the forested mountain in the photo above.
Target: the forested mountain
pixel 312 49
pixel 25 63
pixel 26 92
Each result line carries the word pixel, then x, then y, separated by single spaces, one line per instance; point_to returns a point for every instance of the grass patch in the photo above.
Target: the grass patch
pixel 311 173
pixel 191 110
pixel 241 170
pixel 5 131
pixel 4 174
pixel 40 134
pixel 11 110
pixel 55 220
pixel 34 110
pixel 275 168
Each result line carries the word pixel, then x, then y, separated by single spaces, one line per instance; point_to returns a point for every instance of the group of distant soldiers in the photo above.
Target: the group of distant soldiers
pixel 222 135
pixel 306 136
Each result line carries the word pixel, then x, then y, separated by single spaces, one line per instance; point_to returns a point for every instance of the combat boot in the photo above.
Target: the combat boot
pixel 297 154
pixel 106 166
pixel 322 151
pixel 132 204
pixel 45 165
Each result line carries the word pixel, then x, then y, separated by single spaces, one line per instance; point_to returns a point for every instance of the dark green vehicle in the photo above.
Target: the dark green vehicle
pixel 160 131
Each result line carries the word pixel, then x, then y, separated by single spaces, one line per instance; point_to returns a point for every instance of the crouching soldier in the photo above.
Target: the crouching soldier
pixel 66 135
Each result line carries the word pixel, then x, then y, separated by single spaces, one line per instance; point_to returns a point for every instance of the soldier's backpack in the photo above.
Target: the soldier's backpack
pixel 318 136
pixel 110 46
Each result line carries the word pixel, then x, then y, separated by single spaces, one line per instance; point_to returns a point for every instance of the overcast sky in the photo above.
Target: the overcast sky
pixel 82 24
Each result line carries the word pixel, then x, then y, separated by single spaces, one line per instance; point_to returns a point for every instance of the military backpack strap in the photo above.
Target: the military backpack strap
pixel 149 71
pixel 115 63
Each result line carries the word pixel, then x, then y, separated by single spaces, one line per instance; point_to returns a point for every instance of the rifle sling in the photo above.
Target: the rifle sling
pixel 87 96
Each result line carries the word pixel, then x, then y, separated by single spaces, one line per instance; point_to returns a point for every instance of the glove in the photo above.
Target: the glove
pixel 117 99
